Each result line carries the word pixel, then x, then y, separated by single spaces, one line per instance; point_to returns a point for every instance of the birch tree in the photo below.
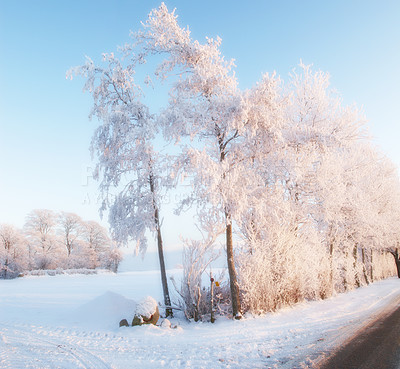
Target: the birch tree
pixel 128 166
pixel 204 106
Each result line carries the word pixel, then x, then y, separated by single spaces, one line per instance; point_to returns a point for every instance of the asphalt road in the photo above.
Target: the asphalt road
pixel 375 347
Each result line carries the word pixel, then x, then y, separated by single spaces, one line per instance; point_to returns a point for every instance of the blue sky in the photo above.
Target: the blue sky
pixel 44 127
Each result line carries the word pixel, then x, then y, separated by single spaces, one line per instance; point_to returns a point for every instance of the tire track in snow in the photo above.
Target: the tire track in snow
pixel 21 348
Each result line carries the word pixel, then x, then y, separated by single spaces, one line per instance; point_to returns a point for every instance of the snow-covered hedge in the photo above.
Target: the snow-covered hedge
pixel 53 272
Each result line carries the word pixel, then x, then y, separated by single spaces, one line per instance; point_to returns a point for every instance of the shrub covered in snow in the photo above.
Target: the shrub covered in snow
pixel 59 271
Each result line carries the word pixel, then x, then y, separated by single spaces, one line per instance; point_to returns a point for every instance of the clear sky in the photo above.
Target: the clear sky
pixel 44 128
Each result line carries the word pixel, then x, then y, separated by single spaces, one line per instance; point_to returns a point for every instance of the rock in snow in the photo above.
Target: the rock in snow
pixel 165 323
pixel 123 323
pixel 146 312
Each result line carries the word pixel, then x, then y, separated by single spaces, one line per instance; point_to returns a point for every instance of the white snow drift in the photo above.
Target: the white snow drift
pixel 71 321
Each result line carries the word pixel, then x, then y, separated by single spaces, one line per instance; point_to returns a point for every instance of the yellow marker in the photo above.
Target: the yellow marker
pixel 217 284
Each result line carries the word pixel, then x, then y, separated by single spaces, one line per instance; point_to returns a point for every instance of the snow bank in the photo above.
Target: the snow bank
pixel 105 311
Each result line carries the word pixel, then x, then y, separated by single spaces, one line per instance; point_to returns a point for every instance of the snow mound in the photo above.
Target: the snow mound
pixel 105 311
pixel 146 307
pixel 166 323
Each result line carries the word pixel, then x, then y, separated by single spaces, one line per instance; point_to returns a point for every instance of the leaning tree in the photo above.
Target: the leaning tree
pixel 128 166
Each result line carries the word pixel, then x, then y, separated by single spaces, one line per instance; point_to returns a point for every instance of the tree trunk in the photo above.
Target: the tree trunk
pixel 167 300
pixel 332 282
pixel 6 268
pixel 372 266
pixel 364 266
pixel 345 271
pixel 396 260
pixel 234 286
pixel 356 276
pixel 398 267
pixel 212 297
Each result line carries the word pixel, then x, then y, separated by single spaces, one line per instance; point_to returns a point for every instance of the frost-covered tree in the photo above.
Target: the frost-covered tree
pixel 320 130
pixel 111 258
pixel 96 236
pixel 70 229
pixel 307 226
pixel 52 240
pixel 204 106
pixel 381 215
pixel 360 212
pixel 97 247
pixel 44 246
pixel 13 255
pixel 128 166
pixel 287 166
pixel 97 243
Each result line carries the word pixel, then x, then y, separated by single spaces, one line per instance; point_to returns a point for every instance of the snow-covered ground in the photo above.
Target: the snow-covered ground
pixel 71 321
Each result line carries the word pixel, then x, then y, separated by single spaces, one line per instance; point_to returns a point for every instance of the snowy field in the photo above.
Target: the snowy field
pixel 71 321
